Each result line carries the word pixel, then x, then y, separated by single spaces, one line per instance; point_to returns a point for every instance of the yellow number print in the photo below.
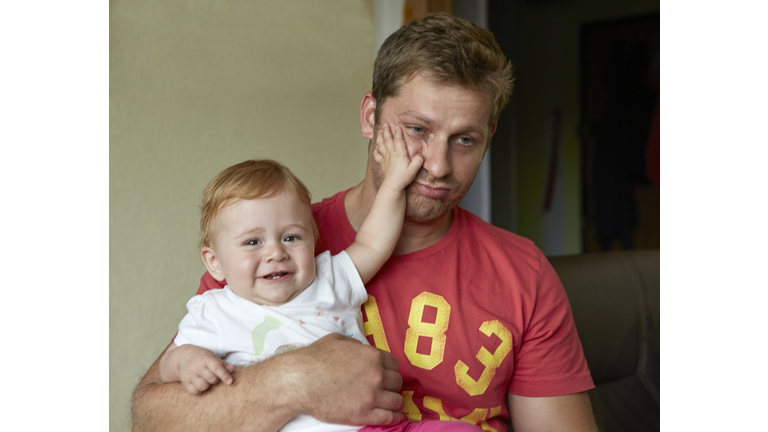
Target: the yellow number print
pixel 494 412
pixel 436 405
pixel 475 417
pixel 490 361
pixel 435 331
pixel 374 326
pixel 410 409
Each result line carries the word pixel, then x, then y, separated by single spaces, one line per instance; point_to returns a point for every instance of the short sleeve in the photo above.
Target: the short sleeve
pixel 550 361
pixel 347 282
pixel 198 327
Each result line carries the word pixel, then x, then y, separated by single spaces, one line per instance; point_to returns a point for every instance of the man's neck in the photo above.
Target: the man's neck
pixel 414 236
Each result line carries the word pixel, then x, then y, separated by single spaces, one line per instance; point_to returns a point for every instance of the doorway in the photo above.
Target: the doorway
pixel 620 134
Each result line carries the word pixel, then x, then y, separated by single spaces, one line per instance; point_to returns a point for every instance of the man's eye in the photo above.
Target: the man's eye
pixel 466 140
pixel 417 129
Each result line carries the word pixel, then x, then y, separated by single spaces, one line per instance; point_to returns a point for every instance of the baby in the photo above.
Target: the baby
pixel 259 234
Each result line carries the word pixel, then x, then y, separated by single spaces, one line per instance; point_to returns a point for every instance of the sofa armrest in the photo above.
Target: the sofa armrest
pixel 615 302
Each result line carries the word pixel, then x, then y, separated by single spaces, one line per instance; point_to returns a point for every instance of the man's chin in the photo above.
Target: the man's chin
pixel 423 210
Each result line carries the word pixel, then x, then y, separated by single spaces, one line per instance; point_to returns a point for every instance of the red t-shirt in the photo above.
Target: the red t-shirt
pixel 470 318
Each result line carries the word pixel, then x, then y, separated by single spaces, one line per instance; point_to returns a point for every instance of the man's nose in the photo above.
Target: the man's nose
pixel 437 156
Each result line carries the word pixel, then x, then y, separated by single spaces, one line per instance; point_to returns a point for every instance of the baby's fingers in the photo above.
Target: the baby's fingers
pixel 217 371
pixel 379 149
pixel 377 154
pixel 399 141
pixel 195 386
pixel 414 165
pixel 385 139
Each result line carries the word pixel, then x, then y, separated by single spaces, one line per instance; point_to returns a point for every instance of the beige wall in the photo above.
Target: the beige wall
pixel 196 86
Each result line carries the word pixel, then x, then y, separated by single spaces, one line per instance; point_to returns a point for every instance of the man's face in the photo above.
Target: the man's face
pixel 448 125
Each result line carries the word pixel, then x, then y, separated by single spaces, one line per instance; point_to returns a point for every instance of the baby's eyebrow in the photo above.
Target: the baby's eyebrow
pixel 250 231
pixel 295 226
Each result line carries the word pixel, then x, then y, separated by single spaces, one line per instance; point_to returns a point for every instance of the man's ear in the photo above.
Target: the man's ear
pixel 211 263
pixel 367 115
pixel 493 131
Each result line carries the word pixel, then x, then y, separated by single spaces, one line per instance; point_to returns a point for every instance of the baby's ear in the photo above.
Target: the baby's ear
pixel 211 263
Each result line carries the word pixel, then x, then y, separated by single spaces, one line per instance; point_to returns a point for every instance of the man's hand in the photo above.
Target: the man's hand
pixel 349 383
pixel 391 153
pixel 197 368
pixel 336 379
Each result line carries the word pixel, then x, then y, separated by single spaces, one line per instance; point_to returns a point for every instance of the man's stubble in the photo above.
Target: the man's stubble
pixel 420 208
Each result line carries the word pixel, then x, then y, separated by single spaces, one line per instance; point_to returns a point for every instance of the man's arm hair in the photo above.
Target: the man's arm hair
pixel 336 380
pixel 159 406
pixel 572 413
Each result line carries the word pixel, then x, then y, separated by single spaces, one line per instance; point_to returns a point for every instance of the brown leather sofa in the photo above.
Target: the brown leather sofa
pixel 615 302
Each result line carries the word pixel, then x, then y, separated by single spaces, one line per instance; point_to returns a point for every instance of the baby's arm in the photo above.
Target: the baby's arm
pixel 197 368
pixel 380 230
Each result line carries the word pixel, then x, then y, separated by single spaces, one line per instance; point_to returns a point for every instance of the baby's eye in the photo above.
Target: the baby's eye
pixel 290 238
pixel 253 242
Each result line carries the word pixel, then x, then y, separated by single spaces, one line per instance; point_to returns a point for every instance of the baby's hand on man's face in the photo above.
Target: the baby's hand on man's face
pixel 391 154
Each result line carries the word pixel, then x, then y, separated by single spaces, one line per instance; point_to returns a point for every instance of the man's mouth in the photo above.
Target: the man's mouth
pixel 432 191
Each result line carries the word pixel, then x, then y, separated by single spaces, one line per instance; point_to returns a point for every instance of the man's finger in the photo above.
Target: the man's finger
pixel 383 417
pixel 389 400
pixel 388 361
pixel 391 380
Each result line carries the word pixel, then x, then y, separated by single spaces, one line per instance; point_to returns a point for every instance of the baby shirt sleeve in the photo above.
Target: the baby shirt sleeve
pixel 347 282
pixel 199 326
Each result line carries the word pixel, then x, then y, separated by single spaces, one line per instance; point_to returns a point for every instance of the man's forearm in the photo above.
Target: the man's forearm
pixel 336 380
pixel 158 406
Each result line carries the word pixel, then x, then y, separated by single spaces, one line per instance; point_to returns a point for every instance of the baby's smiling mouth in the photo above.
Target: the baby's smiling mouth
pixel 276 275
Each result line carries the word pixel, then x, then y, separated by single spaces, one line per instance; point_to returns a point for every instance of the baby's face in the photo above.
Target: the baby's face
pixel 265 248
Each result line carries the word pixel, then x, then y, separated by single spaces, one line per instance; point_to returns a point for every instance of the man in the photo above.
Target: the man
pixel 470 321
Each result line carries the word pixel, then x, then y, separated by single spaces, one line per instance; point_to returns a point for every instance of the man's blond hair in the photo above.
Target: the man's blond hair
pixel 444 49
